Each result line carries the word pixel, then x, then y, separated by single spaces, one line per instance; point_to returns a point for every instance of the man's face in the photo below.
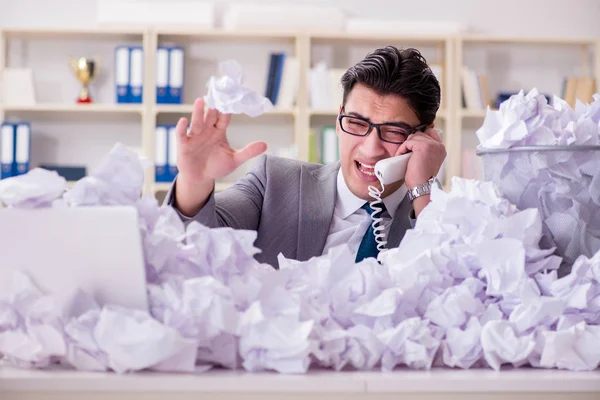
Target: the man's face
pixel 358 154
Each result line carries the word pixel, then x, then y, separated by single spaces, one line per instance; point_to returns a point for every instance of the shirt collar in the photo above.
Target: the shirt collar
pixel 347 203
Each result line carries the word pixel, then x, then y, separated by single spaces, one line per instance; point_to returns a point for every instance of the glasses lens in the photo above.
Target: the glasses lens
pixel 354 126
pixel 394 134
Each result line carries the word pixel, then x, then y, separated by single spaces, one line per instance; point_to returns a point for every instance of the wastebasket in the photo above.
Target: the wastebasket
pixel 562 182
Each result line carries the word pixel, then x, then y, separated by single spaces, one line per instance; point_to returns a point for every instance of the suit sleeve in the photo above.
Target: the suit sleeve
pixel 238 207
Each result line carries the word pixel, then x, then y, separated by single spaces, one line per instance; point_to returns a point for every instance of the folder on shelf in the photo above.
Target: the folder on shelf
pixel 22 148
pixel 278 75
pixel 172 153
pixel 162 75
pixel 176 61
pixel 329 145
pixel 160 154
pixel 122 74
pixel 7 149
pixel 136 81
pixel 274 76
pixel 289 83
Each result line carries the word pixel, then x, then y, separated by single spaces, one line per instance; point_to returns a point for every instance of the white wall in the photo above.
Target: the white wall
pixel 527 17
pixel 84 141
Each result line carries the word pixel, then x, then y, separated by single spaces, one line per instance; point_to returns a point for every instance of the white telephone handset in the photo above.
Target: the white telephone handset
pixel 388 171
pixel 392 169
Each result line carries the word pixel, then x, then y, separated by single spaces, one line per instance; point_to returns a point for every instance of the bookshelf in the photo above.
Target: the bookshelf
pixel 309 47
pixel 74 108
pixel 578 56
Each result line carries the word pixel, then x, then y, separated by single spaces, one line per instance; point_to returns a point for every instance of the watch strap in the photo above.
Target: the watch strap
pixel 422 189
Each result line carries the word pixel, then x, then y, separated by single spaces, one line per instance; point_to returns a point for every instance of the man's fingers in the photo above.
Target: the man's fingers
pixel 181 128
pixel 223 121
pixel 248 152
pixel 434 133
pixel 211 118
pixel 197 122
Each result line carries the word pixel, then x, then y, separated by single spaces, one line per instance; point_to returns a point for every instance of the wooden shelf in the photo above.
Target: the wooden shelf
pixel 72 33
pixel 333 113
pixel 76 108
pixel 188 108
pixel 322 112
pixel 488 39
pixel 471 113
pixel 225 34
pixel 378 37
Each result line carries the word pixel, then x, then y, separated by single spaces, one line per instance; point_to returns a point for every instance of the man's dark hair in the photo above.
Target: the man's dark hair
pixel 404 73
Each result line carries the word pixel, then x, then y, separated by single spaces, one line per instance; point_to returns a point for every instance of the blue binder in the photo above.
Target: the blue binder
pixel 22 148
pixel 176 61
pixel 122 74
pixel 162 75
pixel 161 154
pixel 278 76
pixel 7 149
pixel 136 73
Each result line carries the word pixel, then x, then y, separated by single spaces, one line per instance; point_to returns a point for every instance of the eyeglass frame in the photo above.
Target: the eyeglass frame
pixel 410 129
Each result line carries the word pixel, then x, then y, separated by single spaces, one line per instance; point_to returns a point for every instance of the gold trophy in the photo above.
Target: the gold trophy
pixel 85 70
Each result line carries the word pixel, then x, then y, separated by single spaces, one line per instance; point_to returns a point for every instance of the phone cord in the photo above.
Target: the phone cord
pixel 378 230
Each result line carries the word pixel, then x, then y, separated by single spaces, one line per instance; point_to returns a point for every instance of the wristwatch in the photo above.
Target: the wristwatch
pixel 423 189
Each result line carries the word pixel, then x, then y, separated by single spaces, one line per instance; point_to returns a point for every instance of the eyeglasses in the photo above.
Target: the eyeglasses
pixel 389 132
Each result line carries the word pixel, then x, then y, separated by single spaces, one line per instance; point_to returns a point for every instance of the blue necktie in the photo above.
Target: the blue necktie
pixel 368 245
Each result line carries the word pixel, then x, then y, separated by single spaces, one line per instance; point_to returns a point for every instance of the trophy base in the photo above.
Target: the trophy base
pixel 84 101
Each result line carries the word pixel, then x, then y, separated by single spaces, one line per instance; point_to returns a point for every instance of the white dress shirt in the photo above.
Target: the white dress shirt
pixel 350 221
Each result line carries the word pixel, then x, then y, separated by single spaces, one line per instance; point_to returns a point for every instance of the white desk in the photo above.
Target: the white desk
pixel 448 384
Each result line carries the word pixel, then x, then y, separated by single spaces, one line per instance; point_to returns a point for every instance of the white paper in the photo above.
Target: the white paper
pixel 228 94
pixel 38 188
pixel 468 287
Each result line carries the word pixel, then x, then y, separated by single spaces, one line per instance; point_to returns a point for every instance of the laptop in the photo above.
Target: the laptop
pixel 96 249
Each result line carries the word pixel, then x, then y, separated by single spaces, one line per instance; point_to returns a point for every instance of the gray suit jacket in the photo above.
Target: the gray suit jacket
pixel 290 204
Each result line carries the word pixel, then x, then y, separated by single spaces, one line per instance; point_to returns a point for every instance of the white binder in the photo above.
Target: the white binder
pixel 162 74
pixel 7 149
pixel 137 74
pixel 22 148
pixel 176 60
pixel 172 157
pixel 160 154
pixel 122 74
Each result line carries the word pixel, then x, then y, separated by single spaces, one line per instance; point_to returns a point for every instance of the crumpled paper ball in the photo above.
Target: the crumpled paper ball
pixel 468 287
pixel 229 95
pixel 560 179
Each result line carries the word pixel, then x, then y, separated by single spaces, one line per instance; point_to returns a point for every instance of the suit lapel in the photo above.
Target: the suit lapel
pixel 317 203
pixel 400 224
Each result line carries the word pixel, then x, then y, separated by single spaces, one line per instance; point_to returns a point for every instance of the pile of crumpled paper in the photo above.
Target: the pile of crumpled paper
pixel 468 287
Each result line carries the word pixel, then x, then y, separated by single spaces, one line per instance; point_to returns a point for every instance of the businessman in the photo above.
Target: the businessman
pixel 301 209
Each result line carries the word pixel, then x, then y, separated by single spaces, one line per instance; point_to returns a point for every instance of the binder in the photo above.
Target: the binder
pixel 7 149
pixel 175 84
pixel 278 75
pixel 172 157
pixel 22 148
pixel 136 63
pixel 162 75
pixel 160 154
pixel 271 76
pixel 122 74
pixel 329 145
